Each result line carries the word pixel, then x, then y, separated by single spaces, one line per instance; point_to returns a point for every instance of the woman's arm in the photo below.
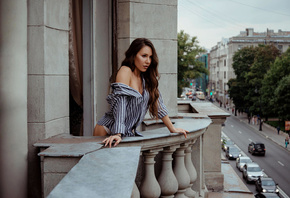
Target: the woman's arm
pixel 171 127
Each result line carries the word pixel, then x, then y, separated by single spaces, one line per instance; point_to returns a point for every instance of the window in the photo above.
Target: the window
pixel 217 63
pixel 225 62
pixel 225 75
pixel 218 74
pixel 240 47
pixel 280 47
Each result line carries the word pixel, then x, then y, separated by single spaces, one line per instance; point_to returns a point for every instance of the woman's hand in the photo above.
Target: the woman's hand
pixel 180 131
pixel 109 140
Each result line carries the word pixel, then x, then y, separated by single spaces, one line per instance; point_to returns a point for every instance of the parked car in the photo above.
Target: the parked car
pixel 252 171
pixel 233 152
pixel 267 195
pixel 227 143
pixel 241 161
pixel 266 184
pixel 257 148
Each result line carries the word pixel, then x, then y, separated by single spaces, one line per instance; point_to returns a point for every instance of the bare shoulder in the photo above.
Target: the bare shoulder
pixel 124 75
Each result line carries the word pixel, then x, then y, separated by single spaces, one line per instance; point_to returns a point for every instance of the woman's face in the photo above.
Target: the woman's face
pixel 143 59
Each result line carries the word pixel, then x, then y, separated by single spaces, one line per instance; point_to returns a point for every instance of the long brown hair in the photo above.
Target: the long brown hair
pixel 151 75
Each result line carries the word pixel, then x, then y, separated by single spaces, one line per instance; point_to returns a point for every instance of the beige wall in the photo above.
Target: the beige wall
pixel 13 99
pixel 48 80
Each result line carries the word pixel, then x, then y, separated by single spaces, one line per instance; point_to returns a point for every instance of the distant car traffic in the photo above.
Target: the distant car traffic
pixel 232 152
pixel 257 148
pixel 241 161
pixel 193 98
pixel 266 185
pixel 227 143
pixel 266 195
pixel 251 172
pixel 200 95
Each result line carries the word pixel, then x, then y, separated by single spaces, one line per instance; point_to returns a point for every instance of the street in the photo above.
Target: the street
pixel 275 162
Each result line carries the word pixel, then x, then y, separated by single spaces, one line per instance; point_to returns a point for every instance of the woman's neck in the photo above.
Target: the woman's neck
pixel 137 73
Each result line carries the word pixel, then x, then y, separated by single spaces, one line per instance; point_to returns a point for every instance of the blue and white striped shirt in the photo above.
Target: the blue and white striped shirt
pixel 127 109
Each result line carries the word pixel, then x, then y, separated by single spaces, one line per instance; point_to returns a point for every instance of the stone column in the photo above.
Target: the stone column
pixel 181 172
pixel 150 187
pixel 191 170
pixel 13 98
pixel 196 157
pixel 48 78
pixel 167 179
pixel 214 179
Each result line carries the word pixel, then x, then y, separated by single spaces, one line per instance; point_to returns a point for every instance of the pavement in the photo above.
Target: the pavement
pixel 233 185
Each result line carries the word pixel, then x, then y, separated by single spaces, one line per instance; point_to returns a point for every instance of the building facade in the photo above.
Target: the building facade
pixel 202 82
pixel 221 57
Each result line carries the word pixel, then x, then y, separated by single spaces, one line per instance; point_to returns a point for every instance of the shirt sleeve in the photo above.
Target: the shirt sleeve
pixel 162 110
pixel 119 113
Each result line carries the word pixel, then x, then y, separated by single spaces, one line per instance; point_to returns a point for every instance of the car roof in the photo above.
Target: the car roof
pixel 253 164
pixel 266 178
pixel 258 142
pixel 244 157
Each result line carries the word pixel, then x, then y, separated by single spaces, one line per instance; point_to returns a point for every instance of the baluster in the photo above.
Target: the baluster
pixel 191 171
pixel 167 180
pixel 150 187
pixel 135 192
pixel 181 172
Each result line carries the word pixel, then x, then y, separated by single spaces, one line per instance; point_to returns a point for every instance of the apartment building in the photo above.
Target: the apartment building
pixel 221 57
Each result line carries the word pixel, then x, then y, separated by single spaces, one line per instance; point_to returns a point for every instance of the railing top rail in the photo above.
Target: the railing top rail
pixel 66 145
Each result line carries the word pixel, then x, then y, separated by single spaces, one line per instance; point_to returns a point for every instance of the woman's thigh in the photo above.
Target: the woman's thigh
pixel 100 131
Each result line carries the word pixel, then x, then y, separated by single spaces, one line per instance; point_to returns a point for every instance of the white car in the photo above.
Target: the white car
pixel 241 161
pixel 252 171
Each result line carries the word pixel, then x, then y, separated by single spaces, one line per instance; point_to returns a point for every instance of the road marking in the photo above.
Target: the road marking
pixel 265 175
pixel 240 132
pixel 281 192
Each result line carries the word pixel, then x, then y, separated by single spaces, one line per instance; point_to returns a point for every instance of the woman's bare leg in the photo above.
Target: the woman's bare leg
pixel 100 131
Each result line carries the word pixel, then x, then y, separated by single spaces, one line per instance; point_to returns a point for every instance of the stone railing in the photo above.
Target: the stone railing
pixel 177 172
pixel 166 165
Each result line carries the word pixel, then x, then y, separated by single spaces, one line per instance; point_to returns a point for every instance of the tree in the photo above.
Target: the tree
pixel 282 97
pixel 250 65
pixel 265 55
pixel 188 66
pixel 278 70
pixel 238 88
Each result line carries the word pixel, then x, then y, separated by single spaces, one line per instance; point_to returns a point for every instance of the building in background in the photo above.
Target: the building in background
pixel 201 83
pixel 221 57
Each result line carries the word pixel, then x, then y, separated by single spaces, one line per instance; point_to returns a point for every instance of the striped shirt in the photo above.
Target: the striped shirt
pixel 127 109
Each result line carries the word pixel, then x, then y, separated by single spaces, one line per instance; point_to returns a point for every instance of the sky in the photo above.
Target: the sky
pixel 212 20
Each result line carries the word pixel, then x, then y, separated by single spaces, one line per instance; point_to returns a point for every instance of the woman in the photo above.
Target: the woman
pixel 134 92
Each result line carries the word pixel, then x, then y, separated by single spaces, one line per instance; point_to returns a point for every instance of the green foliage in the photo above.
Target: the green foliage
pixel 238 88
pixel 188 49
pixel 282 98
pixel 250 65
pixel 277 71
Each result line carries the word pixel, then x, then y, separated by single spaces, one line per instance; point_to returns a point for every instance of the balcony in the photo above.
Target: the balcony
pixel 160 164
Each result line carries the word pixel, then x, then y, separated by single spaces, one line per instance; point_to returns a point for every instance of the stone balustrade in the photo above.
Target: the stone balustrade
pixel 168 165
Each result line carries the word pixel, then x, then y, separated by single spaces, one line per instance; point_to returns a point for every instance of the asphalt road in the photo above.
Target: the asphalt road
pixel 276 161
